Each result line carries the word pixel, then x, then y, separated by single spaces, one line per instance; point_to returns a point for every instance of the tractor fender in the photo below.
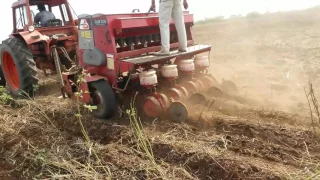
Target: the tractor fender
pixel 31 37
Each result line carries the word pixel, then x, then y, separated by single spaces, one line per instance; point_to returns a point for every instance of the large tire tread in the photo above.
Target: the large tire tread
pixel 108 96
pixel 25 64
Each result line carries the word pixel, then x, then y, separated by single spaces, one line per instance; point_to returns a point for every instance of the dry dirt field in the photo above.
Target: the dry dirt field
pixel 263 133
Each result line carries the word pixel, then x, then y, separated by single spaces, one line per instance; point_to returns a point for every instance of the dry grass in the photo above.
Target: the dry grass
pixel 266 134
pixel 36 148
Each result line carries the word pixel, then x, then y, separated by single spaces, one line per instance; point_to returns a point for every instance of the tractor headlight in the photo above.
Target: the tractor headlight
pixel 31 28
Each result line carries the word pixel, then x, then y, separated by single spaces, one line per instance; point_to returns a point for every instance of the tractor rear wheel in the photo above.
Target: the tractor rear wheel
pixel 104 98
pixel 18 67
pixel 2 79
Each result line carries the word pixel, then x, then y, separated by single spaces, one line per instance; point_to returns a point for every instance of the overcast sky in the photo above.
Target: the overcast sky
pixel 200 8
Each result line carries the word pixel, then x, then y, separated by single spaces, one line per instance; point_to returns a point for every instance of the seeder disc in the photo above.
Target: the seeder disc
pixel 208 81
pixel 215 92
pixel 165 101
pixel 212 80
pixel 178 112
pixel 175 94
pixel 190 86
pixel 197 98
pixel 200 84
pixel 152 107
pixel 183 90
pixel 229 86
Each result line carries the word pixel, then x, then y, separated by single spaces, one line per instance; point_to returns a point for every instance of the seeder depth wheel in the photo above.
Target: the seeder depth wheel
pixel 178 112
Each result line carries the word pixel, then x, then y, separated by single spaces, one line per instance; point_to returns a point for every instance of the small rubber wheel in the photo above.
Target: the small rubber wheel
pixel 18 67
pixel 178 112
pixel 104 98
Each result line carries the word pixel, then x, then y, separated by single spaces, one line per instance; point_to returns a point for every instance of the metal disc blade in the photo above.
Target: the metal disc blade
pixel 213 80
pixel 183 90
pixel 229 86
pixel 152 107
pixel 178 112
pixel 197 98
pixel 175 94
pixel 214 91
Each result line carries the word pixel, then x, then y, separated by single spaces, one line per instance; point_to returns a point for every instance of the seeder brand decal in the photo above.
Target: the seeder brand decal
pixel 86 34
pixel 100 22
pixel 84 25
pixel 110 61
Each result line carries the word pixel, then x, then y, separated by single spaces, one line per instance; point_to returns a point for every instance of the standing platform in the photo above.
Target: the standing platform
pixel 195 49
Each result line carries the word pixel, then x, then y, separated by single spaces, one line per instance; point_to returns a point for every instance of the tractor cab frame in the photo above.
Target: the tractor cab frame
pixel 31 46
pixel 61 31
pixel 24 11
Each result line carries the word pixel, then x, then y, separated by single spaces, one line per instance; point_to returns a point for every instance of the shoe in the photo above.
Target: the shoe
pixel 182 50
pixel 162 53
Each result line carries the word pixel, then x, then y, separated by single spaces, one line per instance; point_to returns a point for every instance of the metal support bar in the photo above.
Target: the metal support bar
pixel 195 49
pixel 125 87
pixel 56 60
pixel 118 74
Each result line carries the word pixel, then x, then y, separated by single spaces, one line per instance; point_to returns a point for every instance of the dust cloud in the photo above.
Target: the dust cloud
pixel 271 58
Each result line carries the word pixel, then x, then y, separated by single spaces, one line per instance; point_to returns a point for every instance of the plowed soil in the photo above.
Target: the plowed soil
pixel 263 132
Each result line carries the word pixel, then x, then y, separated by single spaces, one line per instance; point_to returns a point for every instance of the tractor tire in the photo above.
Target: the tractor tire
pixel 3 81
pixel 104 98
pixel 18 67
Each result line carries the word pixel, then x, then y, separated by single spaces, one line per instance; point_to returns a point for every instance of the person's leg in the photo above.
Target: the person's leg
pixel 179 23
pixel 165 11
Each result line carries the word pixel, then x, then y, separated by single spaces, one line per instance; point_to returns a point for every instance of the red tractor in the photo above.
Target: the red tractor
pixel 116 52
pixel 29 47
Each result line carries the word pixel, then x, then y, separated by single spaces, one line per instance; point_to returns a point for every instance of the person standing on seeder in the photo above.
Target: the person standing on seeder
pixel 171 9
